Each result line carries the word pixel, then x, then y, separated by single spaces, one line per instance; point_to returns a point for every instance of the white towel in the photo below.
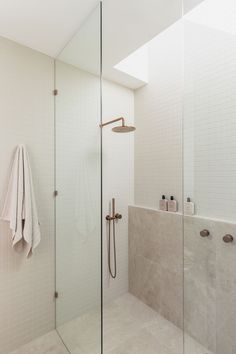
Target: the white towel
pixel 19 206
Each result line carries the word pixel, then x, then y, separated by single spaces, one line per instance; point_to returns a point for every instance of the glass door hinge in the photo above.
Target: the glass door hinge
pixel 56 295
pixel 55 193
pixel 55 92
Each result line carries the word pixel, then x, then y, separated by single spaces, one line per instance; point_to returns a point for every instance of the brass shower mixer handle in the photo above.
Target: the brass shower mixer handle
pixel 228 238
pixel 115 217
pixel 205 233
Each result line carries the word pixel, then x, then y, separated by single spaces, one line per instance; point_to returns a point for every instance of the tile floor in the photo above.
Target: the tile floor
pixel 130 327
pixel 50 343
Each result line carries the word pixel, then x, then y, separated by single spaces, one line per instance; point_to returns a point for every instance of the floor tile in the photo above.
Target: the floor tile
pixel 130 327
pixel 50 343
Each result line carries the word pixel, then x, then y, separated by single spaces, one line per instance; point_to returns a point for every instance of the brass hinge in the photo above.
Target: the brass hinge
pixel 55 92
pixel 56 295
pixel 55 193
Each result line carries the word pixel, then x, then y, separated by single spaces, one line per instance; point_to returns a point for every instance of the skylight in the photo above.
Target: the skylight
pixel 136 64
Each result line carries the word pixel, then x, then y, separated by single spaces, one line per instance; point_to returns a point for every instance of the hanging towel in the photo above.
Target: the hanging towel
pixel 19 207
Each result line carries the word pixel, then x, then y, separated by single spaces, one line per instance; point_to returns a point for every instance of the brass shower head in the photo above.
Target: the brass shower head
pixel 121 128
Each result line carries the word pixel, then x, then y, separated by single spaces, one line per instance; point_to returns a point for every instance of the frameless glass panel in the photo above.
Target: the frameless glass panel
pixel 78 184
pixel 143 271
pixel 209 178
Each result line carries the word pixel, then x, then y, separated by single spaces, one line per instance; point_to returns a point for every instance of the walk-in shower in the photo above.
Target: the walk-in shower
pixel 122 266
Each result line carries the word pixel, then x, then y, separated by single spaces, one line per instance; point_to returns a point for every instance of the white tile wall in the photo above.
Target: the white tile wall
pixel 158 117
pixel 209 120
pixel 26 116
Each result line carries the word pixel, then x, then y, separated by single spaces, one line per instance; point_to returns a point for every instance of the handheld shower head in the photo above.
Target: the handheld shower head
pixel 121 128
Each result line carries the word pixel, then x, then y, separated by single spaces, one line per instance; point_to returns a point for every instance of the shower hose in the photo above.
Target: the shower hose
pixel 112 273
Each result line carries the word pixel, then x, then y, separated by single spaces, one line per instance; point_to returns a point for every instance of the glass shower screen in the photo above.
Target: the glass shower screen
pixel 78 185
pixel 209 176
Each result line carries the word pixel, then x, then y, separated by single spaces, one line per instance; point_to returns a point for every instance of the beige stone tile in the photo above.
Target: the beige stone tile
pixel 47 344
pixel 136 309
pixel 200 281
pixel 145 281
pixel 226 289
pixel 210 284
pixel 127 316
pixel 143 342
pixel 119 325
pixel 193 347
pixel 156 261
pixel 167 334
pixel 78 350
pixel 200 312
pixel 154 235
pixel 172 296
pixel 199 252
pixel 83 334
pixel 209 273
pixel 130 327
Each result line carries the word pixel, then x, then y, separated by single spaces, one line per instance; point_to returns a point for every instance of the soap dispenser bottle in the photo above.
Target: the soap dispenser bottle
pixel 188 207
pixel 163 204
pixel 172 204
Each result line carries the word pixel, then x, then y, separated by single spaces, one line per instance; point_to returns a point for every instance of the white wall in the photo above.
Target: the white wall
pixel 26 116
pixel 158 117
pixel 209 120
pixel 118 180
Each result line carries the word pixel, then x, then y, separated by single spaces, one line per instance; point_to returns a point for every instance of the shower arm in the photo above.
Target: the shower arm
pixel 113 121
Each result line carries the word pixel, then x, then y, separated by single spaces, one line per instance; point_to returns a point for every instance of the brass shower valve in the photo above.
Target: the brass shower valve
pixel 115 217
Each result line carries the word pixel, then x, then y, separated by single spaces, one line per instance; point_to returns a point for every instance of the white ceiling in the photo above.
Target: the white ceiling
pixel 48 25
pixel 44 25
pixel 127 26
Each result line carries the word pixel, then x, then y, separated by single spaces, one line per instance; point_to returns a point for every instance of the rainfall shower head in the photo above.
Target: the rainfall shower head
pixel 121 128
